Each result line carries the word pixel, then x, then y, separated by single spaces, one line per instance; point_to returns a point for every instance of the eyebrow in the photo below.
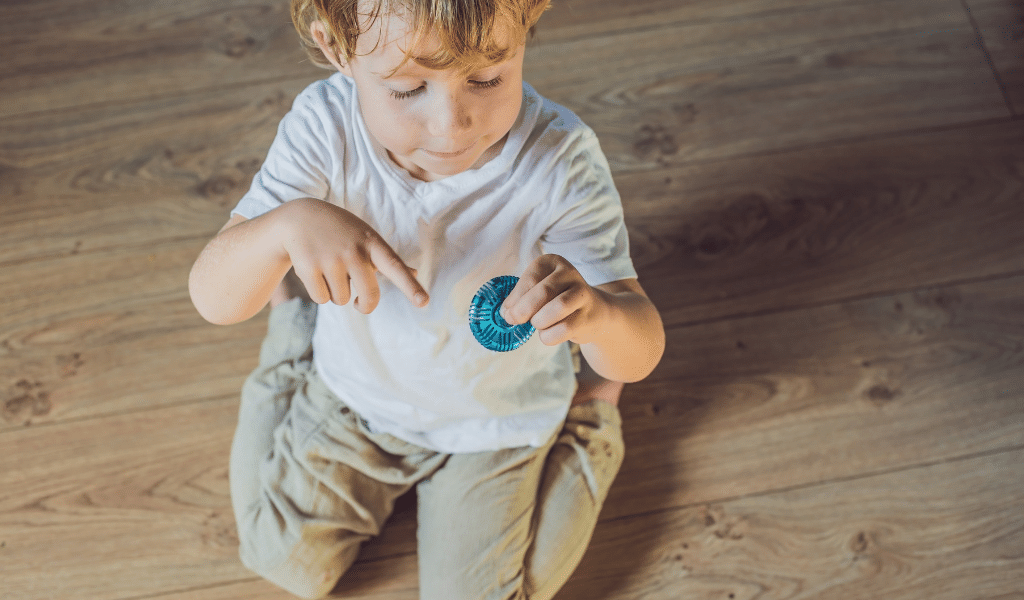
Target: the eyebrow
pixel 410 64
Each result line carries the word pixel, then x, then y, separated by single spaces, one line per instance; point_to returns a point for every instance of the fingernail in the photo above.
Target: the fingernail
pixel 421 298
pixel 504 314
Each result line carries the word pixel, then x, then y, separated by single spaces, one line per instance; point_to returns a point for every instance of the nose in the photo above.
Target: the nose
pixel 449 117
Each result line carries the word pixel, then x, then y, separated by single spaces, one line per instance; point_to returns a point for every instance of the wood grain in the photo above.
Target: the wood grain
pixel 575 19
pixel 106 49
pixel 737 408
pixel 121 334
pixel 738 86
pixel 825 393
pixel 751 85
pixel 116 50
pixel 824 201
pixel 946 532
pixel 874 537
pixel 820 225
pixel 1000 24
pixel 141 147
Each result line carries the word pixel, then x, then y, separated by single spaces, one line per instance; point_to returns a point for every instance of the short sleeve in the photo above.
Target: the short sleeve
pixel 298 163
pixel 588 227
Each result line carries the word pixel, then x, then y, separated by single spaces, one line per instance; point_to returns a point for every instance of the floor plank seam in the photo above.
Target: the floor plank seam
pixel 211 586
pixel 988 57
pixel 168 97
pixel 721 500
pixel 115 414
pixel 845 300
pixel 822 483
pixel 700 22
pixel 828 144
pixel 148 245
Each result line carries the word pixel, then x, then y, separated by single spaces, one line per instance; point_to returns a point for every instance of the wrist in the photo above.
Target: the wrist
pixel 286 225
pixel 602 320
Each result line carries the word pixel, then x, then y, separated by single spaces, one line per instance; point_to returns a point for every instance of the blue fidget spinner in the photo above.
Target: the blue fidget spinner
pixel 493 332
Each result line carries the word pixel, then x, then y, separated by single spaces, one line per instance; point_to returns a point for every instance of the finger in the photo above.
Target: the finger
pixel 339 282
pixel 533 298
pixel 364 287
pixel 316 286
pixel 403 276
pixel 531 277
pixel 558 308
pixel 559 332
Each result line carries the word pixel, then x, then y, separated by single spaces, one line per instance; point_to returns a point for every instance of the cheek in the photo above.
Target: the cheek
pixel 508 110
pixel 392 125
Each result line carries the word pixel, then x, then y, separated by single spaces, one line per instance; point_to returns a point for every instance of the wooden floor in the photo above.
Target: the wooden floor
pixel 825 200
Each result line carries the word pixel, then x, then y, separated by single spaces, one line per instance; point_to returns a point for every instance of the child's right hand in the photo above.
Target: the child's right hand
pixel 329 246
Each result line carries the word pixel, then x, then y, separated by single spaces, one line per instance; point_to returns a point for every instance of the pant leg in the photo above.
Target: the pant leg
pixel 514 524
pixel 285 357
pixel 309 483
pixel 578 473
pixel 475 524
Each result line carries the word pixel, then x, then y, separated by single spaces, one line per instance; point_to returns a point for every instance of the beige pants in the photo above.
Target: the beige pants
pixel 310 483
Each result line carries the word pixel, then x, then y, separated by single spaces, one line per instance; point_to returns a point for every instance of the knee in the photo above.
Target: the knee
pixel 305 568
pixel 310 581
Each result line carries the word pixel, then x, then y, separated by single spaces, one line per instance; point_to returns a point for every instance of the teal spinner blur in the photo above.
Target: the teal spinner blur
pixel 493 332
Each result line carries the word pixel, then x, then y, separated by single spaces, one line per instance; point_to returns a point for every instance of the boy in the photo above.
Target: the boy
pixel 428 160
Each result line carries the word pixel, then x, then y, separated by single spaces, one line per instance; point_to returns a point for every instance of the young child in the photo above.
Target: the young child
pixel 428 160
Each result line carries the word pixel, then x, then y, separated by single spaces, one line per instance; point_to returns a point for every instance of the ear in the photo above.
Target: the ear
pixel 319 32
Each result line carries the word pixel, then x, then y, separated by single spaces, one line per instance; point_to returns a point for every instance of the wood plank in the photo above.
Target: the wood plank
pixel 736 408
pixel 145 493
pixel 730 87
pixel 115 50
pixel 113 331
pixel 124 154
pixel 394 578
pixel 816 226
pixel 133 174
pixel 575 19
pixel 1001 24
pixel 107 48
pixel 811 395
pixel 944 532
pixel 142 146
pixel 753 85
pixel 932 532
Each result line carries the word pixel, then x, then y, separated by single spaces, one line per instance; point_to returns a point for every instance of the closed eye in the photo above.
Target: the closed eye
pixel 483 85
pixel 489 83
pixel 404 95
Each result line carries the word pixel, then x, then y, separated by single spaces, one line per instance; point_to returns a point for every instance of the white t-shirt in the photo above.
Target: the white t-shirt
pixel 418 373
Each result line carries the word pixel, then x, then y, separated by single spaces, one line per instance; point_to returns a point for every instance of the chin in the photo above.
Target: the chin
pixel 452 167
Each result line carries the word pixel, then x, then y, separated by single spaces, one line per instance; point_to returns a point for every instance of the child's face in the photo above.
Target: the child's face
pixel 434 124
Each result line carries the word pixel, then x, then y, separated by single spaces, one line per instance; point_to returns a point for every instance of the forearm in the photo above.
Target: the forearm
pixel 237 271
pixel 631 342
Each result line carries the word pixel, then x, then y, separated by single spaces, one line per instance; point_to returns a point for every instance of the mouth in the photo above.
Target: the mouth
pixel 449 154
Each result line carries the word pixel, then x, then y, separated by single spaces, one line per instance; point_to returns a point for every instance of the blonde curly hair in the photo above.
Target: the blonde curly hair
pixel 472 33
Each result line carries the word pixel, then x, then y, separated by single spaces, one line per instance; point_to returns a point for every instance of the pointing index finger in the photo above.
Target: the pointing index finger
pixel 403 276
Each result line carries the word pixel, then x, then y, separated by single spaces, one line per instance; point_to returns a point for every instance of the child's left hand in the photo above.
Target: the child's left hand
pixel 553 295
